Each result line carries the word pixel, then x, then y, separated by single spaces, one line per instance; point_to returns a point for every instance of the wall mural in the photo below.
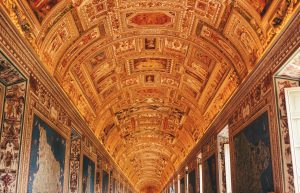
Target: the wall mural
pixel 253 163
pixel 88 175
pixel 182 188
pixel 12 123
pixel 75 162
pixel 210 175
pixel 192 182
pixel 8 73
pixel 47 159
pixel 105 181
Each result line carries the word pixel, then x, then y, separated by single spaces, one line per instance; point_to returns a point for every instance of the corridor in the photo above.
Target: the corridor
pixel 149 96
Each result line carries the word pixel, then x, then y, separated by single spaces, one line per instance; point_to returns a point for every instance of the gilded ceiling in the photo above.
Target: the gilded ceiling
pixel 149 76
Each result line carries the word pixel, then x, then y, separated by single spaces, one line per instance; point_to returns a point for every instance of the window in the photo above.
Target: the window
pixel 178 184
pixel 224 161
pixel 200 173
pixel 227 168
pixel 292 96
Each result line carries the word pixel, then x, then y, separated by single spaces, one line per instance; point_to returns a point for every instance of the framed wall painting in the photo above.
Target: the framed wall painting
pixel 88 175
pixel 252 158
pixel 47 159
pixel 105 182
pixel 210 175
pixel 192 182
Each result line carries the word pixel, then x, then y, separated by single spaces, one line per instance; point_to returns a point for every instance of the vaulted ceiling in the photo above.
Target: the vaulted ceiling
pixel 149 76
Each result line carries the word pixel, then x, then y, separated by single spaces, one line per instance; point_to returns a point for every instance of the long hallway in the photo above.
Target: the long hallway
pixel 149 96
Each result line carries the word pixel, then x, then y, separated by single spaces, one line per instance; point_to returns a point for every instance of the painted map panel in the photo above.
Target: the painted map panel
pixel 192 182
pixel 253 163
pixel 210 175
pixel 47 159
pixel 105 181
pixel 88 175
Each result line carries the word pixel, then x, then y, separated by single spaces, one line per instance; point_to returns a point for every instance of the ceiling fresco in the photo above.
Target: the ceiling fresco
pixel 150 76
